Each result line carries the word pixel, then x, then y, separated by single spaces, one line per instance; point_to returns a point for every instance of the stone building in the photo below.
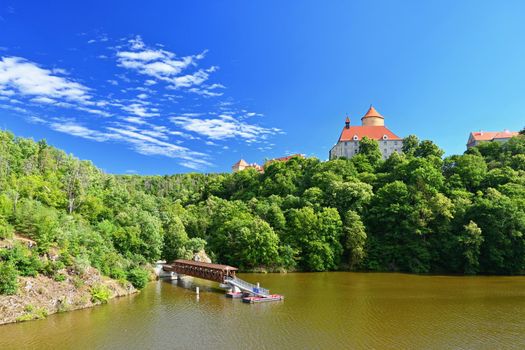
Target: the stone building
pixel 476 138
pixel 242 164
pixel 373 127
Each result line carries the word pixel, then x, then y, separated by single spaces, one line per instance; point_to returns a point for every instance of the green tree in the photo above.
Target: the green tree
pixel 370 149
pixel 410 144
pixel 471 241
pixel 354 234
pixel 428 148
pixel 8 278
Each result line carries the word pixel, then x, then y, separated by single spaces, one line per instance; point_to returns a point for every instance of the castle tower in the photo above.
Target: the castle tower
pixel 373 127
pixel 372 118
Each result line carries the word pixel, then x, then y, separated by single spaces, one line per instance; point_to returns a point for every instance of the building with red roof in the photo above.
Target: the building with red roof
pixel 476 138
pixel 373 127
pixel 242 164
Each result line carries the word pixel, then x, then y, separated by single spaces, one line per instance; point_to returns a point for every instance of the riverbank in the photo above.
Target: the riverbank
pixel 40 296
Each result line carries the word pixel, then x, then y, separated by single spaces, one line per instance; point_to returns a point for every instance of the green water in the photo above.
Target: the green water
pixel 321 311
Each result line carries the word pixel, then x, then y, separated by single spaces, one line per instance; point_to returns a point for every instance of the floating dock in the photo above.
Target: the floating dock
pixel 257 299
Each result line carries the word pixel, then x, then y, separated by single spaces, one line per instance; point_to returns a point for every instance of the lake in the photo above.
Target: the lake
pixel 337 310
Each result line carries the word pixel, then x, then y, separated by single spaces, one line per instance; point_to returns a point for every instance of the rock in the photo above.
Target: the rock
pixel 202 256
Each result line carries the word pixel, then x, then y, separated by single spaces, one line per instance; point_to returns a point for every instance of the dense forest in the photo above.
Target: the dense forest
pixel 414 212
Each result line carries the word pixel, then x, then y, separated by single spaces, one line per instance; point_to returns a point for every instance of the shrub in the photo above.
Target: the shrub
pixel 32 313
pixel 100 294
pixel 8 278
pixel 78 282
pixel 81 264
pixel 59 277
pixel 138 277
pixel 117 273
pixel 6 230
pixel 52 267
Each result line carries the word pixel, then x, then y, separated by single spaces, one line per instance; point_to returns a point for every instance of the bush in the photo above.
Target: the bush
pixel 100 294
pixel 138 277
pixel 6 230
pixel 117 273
pixel 59 277
pixel 26 261
pixel 52 268
pixel 32 313
pixel 8 278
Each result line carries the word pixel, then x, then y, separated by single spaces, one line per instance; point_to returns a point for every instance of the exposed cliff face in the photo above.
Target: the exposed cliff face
pixel 39 296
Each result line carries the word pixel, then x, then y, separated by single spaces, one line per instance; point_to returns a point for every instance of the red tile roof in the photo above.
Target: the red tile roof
pixel 372 132
pixel 491 135
pixel 372 113
pixel 287 158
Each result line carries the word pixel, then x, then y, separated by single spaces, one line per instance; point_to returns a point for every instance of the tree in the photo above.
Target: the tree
pixel 370 149
pixel 471 170
pixel 471 241
pixel 410 144
pixel 502 221
pixel 355 238
pixel 175 240
pixel 428 148
pixel 246 241
pixel 316 237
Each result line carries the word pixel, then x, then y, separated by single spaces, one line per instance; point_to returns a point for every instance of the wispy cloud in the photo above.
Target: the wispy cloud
pixel 223 127
pixel 154 101
pixel 143 141
pixel 163 65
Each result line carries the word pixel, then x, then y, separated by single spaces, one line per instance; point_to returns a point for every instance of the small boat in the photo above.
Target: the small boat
pixel 257 299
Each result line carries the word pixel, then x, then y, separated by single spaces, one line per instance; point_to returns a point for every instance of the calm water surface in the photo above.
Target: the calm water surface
pixel 321 311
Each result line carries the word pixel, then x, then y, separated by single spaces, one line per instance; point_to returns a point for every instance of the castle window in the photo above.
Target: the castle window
pixel 385 137
pixel 355 138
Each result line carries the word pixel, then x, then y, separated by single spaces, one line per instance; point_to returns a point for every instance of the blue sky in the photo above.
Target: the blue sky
pixel 164 87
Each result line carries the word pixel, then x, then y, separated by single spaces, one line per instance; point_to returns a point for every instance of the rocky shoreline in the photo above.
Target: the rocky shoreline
pixel 40 296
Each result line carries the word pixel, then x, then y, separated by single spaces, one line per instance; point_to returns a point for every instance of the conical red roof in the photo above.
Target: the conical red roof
pixel 372 113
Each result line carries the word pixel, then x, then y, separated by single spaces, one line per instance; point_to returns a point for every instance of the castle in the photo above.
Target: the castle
pixel 373 127
pixel 242 164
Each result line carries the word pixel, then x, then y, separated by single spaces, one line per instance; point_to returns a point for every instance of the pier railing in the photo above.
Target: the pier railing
pixel 246 286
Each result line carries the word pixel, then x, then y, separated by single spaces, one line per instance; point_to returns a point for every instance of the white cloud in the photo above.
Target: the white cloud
pixel 43 99
pixel 223 127
pixel 205 92
pixel 139 110
pixel 164 65
pixel 29 79
pixel 143 141
pixel 72 128
pixel 134 120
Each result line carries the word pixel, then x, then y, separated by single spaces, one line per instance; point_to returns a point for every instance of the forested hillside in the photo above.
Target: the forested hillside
pixel 414 212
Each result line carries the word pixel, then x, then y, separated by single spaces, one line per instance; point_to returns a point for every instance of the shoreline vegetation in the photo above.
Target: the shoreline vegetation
pixel 72 235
